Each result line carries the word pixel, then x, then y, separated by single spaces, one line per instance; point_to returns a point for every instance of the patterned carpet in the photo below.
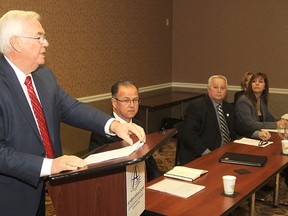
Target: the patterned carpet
pixel 165 159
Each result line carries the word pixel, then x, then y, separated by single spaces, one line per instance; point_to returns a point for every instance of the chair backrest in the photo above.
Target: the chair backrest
pixel 179 127
pixel 168 123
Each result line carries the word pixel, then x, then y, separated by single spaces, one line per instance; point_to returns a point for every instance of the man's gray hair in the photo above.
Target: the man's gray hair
pixel 12 24
pixel 217 76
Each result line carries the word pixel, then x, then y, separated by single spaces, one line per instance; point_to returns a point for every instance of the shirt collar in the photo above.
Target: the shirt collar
pixel 20 74
pixel 216 104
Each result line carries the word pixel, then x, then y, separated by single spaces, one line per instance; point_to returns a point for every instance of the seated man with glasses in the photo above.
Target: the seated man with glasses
pixel 125 101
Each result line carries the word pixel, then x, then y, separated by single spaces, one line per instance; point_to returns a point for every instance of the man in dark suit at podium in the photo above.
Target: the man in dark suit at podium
pixel 32 106
pixel 125 101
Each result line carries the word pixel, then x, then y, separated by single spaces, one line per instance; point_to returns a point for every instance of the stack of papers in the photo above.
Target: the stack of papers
pixel 177 188
pixel 113 154
pixel 252 142
pixel 185 173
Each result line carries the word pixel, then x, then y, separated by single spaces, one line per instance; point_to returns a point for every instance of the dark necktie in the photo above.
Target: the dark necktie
pixel 223 125
pixel 41 121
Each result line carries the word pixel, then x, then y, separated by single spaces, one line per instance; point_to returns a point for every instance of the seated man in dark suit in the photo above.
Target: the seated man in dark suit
pixel 125 101
pixel 202 126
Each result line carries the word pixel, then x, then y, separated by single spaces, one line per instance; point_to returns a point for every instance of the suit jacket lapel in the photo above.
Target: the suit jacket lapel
pixel 13 84
pixel 212 113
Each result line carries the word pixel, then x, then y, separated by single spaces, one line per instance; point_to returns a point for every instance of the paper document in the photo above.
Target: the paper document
pixel 270 130
pixel 177 188
pixel 252 142
pixel 113 154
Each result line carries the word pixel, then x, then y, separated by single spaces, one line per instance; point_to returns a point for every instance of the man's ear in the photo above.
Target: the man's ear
pixel 15 44
pixel 113 101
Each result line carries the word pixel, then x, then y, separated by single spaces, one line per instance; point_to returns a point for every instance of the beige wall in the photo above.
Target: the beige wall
pixel 230 38
pixel 93 43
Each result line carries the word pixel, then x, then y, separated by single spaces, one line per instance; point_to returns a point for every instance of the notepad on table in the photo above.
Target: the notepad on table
pixel 185 173
pixel 253 142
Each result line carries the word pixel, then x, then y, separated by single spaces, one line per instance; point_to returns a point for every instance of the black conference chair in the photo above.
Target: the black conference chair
pixel 179 127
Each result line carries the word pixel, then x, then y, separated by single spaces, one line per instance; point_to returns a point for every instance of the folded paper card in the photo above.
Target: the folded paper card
pixel 185 173
pixel 113 154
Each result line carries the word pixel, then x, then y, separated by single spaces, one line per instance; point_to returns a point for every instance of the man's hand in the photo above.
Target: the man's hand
pixel 66 162
pixel 282 123
pixel 124 130
pixel 264 135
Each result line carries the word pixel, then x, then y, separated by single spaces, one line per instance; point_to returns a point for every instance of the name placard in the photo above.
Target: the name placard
pixel 135 188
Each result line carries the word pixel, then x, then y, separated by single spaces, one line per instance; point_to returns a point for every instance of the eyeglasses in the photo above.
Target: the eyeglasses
pixel 127 101
pixel 40 38
pixel 262 142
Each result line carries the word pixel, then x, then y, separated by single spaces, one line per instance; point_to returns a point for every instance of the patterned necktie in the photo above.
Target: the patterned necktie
pixel 223 124
pixel 41 121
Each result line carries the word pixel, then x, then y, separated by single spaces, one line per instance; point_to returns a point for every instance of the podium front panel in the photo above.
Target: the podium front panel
pixel 97 195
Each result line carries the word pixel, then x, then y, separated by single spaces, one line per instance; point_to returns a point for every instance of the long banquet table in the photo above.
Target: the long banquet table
pixel 210 201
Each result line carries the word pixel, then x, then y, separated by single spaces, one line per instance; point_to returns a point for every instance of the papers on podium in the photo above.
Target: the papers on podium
pixel 177 188
pixel 185 173
pixel 113 154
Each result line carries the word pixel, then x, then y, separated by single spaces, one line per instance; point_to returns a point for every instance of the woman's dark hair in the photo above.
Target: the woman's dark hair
pixel 250 94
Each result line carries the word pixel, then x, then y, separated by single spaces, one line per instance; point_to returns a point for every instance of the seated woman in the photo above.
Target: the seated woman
pixel 252 108
pixel 244 85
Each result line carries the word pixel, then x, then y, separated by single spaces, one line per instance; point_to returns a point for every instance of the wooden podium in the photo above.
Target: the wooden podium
pixel 100 189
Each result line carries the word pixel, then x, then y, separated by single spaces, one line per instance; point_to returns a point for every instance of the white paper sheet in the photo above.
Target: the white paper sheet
pixel 177 188
pixel 252 142
pixel 270 130
pixel 113 154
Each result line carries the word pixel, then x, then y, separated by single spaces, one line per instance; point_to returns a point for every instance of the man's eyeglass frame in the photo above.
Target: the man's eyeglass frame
pixel 128 101
pixel 40 38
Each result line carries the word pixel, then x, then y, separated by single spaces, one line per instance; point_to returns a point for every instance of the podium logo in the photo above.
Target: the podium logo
pixel 135 178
